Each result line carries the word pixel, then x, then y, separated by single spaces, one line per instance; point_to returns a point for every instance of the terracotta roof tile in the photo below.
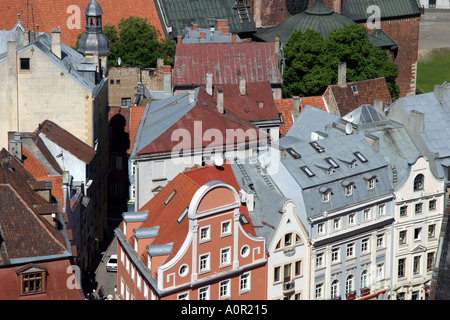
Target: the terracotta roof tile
pixel 136 113
pixel 284 107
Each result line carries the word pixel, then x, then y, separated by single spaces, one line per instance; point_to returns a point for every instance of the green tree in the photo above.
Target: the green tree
pixel 312 62
pixel 137 43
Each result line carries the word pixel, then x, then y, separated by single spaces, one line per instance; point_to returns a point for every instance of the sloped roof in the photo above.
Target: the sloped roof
pixel 227 62
pixel 25 232
pixel 162 118
pixel 66 140
pixel 185 184
pixel 365 114
pixel 285 106
pixel 63 13
pixel 367 91
pixel 318 18
pixel 181 13
pixel 357 10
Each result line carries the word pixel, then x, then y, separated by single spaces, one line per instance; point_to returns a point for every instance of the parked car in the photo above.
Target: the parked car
pixel 111 265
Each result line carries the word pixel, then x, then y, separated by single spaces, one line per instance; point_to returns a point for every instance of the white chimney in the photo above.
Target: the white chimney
pixel 295 106
pixel 220 101
pixel 56 42
pixel 191 96
pixel 242 86
pixel 342 73
pixel 209 84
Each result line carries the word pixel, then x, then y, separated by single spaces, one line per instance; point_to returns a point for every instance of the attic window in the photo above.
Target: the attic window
pixel 354 89
pixel 183 214
pixel 332 162
pixel 25 64
pixel 308 171
pixel 171 195
pixel 360 156
pixel 317 146
pixel 260 104
pixel 293 153
pixel 243 219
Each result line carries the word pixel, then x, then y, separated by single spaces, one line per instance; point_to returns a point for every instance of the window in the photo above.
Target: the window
pixel 350 250
pixel 244 282
pixel 366 214
pixel 226 228
pixel 416 265
pixel 417 234
pixel 349 190
pixel 111 81
pixel 364 279
pixel 336 223
pixel 183 296
pixel 365 245
pixel 351 219
pixel 354 89
pixel 334 289
pixel 418 182
pixel 224 289
pixel 118 81
pixel 183 271
pixel 319 260
pixel 32 282
pixel 349 285
pixel 402 237
pixel 293 153
pixel 380 240
pixel 25 64
pixel 298 268
pixel 225 256
pixel 205 234
pixel 126 102
pixel 287 239
pixel 381 210
pixel 307 171
pixel 335 254
pixel 371 183
pixel 360 156
pixel 245 251
pixel 401 267
pixel 319 290
pixel 418 208
pixel 116 163
pixel 183 214
pixel 432 205
pixel 204 263
pixel 287 272
pixel 332 162
pixel 170 197
pixel 276 274
pixel 320 228
pixel 403 211
pixel 317 147
pixel 431 231
pixel 380 271
pixel 203 293
pixel 430 261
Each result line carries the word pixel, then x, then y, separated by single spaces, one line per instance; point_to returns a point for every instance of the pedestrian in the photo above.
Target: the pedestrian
pixel 101 292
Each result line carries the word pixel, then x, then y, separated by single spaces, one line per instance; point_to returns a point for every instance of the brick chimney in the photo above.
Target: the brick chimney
pixel 233 38
pixel 194 27
pixel 56 42
pixel 225 30
pixel 167 78
pixel 221 23
pixel 220 101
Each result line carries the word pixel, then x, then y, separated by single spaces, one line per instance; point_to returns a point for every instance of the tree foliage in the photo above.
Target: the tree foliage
pixel 312 61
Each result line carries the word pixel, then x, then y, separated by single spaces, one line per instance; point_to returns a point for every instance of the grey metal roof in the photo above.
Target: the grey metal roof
pixel 363 115
pixel 139 216
pixel 269 200
pixel 193 36
pixel 337 146
pixel 160 115
pixel 358 9
pixel 143 233
pixel 160 249
pixel 93 9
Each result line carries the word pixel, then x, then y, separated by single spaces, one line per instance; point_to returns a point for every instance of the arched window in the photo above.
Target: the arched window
pixel 349 285
pixel 418 182
pixel 335 289
pixel 289 239
pixel 365 279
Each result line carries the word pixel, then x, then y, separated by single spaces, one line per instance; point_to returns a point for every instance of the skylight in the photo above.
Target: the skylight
pixel 183 214
pixel 317 146
pixel 360 156
pixel 308 171
pixel 332 162
pixel 293 153
pixel 171 195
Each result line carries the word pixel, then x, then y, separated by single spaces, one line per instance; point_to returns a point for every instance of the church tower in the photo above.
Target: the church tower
pixel 93 43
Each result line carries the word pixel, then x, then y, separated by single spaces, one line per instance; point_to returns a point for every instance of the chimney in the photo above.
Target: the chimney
pixel 295 106
pixel 202 34
pixel 439 91
pixel 233 38
pixel 225 30
pixel 179 39
pixel 242 86
pixel 373 141
pixel 56 42
pixel 15 144
pixel 342 73
pixel 191 96
pixel 416 121
pixel 159 62
pixel 194 27
pixel 167 79
pixel 209 84
pixel 277 45
pixel 378 105
pixel 221 23
pixel 220 101
pixel 26 37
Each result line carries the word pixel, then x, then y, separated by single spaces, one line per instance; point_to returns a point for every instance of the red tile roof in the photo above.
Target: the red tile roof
pixel 284 107
pixel 185 184
pixel 205 114
pixel 368 91
pixel 255 61
pixel 64 13
pixel 26 233
pixel 135 116
pixel 246 106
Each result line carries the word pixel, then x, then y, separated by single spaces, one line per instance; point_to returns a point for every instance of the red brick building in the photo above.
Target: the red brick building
pixel 193 240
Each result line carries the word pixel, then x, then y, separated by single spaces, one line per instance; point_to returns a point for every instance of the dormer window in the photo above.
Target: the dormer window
pixel 32 279
pixel 348 187
pixel 326 194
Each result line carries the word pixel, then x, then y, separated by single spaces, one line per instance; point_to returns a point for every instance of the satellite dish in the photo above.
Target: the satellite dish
pixel 348 128
pixel 218 161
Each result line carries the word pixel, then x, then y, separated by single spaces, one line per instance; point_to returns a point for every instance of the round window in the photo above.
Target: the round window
pixel 184 269
pixel 245 251
pixel 296 6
